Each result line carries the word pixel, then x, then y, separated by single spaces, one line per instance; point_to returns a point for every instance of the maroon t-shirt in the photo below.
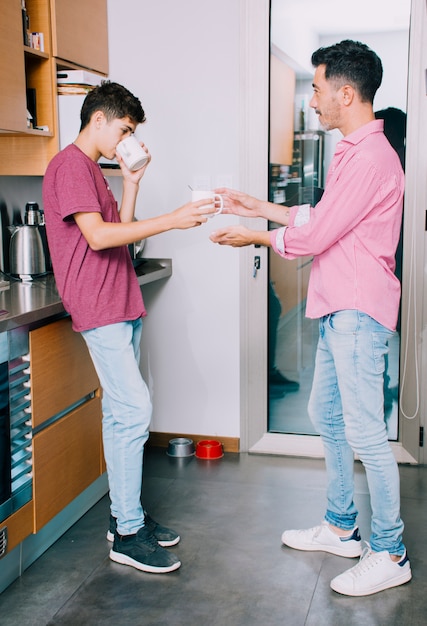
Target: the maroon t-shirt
pixel 97 287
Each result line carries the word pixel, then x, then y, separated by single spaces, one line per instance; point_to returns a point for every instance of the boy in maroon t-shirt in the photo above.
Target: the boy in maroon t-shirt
pixel 88 238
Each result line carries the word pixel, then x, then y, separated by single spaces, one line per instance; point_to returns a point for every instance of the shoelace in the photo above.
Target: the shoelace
pixel 368 560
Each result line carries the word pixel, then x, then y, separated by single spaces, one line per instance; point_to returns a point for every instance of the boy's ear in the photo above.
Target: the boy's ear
pixel 98 118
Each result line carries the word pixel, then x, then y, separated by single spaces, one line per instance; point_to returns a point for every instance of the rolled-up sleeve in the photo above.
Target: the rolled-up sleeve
pixel 299 216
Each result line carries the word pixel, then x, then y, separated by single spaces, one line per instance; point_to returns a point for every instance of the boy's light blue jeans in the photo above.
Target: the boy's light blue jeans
pixel 126 409
pixel 347 408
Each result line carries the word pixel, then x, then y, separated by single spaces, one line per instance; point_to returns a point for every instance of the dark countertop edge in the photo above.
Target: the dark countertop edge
pixel 51 307
pixel 150 271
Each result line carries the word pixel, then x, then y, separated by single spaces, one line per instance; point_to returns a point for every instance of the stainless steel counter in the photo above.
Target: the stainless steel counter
pixel 27 303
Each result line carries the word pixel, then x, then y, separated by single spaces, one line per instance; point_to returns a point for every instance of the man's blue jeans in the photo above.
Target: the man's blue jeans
pixel 347 408
pixel 126 409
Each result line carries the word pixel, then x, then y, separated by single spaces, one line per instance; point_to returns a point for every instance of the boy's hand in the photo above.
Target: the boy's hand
pixel 133 177
pixel 191 214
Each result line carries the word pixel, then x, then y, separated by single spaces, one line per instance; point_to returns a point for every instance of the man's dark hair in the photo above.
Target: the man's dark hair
pixel 115 101
pixel 351 62
pixel 394 129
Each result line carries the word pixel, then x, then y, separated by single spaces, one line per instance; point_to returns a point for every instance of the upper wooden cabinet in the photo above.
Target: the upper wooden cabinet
pixel 12 78
pixel 79 33
pixel 75 35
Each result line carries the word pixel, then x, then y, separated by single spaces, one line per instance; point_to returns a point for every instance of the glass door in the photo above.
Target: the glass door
pixel 299 156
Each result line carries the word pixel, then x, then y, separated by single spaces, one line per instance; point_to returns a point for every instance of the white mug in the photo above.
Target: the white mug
pixel 132 153
pixel 214 200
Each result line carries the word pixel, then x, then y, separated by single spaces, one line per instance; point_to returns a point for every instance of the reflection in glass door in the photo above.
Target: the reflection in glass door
pixel 292 336
pixel 300 153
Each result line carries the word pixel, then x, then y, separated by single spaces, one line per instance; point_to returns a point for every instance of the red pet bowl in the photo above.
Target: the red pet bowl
pixel 209 449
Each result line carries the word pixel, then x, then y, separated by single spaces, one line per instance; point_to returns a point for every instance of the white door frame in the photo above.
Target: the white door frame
pixel 254 107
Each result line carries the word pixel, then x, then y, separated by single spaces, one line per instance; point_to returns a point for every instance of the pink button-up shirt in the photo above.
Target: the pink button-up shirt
pixel 353 231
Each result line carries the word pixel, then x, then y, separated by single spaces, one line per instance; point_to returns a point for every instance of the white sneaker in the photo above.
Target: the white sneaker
pixel 374 572
pixel 323 539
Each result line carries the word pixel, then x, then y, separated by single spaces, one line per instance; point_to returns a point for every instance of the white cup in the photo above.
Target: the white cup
pixel 214 200
pixel 132 153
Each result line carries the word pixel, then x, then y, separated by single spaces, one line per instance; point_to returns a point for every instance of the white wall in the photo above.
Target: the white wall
pixel 182 60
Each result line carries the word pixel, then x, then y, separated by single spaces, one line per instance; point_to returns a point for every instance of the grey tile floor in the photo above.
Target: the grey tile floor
pixel 230 514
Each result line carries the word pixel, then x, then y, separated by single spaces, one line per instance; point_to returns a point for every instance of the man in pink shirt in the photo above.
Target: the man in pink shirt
pixel 352 234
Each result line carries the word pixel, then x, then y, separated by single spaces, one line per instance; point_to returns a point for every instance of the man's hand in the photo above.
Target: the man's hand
pixel 239 236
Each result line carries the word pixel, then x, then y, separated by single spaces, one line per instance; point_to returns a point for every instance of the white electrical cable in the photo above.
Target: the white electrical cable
pixel 413 292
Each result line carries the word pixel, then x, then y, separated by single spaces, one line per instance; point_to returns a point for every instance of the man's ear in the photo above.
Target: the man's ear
pixel 347 94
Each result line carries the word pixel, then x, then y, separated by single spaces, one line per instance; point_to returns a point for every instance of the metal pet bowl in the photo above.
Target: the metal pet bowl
pixel 180 447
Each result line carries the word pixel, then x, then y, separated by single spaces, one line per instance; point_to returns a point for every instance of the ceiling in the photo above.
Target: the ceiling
pixel 328 17
pixel 297 25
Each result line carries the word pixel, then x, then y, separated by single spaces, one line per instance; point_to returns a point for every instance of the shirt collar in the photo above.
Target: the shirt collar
pixel 376 126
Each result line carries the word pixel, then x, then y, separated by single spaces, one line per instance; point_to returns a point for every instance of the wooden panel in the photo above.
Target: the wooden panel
pixel 39 13
pixel 19 526
pixel 13 107
pixel 66 460
pixel 61 370
pixel 28 154
pixel 282 94
pixel 80 34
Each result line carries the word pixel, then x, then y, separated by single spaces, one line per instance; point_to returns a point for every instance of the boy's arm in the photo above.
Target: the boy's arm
pixel 101 235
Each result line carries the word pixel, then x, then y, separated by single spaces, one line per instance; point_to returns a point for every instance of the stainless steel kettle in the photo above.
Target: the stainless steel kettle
pixel 26 253
pixel 27 256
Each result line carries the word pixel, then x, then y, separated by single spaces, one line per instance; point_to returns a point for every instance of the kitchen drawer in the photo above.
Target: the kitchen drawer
pixel 66 460
pixel 19 526
pixel 62 372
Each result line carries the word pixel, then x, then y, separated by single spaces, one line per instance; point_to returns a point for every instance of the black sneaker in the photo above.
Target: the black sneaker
pixel 143 552
pixel 166 537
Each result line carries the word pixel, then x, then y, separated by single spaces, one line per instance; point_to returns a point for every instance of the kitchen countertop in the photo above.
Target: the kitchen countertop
pixel 29 302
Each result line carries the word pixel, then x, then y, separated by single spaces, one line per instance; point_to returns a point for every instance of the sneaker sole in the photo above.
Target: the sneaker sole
pixel 163 544
pixel 350 554
pixel 123 559
pixel 399 580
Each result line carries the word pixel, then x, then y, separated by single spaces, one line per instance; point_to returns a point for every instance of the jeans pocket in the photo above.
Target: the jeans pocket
pixel 344 322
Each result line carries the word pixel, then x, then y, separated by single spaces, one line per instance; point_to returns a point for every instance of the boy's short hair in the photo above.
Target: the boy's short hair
pixel 114 100
pixel 351 62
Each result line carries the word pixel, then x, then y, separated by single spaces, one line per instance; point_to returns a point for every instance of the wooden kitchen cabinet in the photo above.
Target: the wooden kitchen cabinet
pixel 19 525
pixel 29 150
pixel 66 460
pixel 62 372
pixel 12 97
pixel 25 68
pixel 67 418
pixel 79 33
pixel 25 151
